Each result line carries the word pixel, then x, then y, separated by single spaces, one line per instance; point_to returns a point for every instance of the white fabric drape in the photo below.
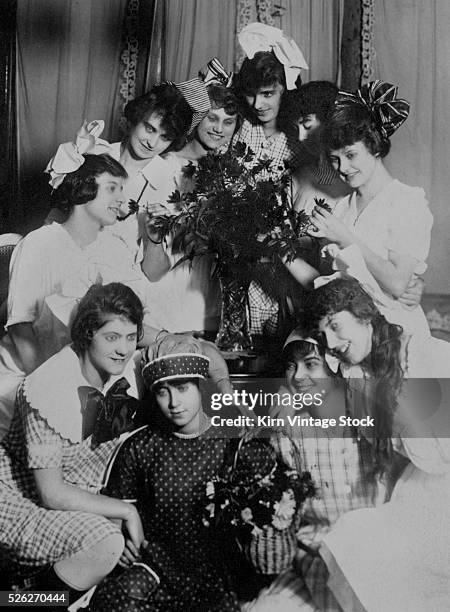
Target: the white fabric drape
pixel 68 70
pixel 316 27
pixel 197 30
pixel 412 49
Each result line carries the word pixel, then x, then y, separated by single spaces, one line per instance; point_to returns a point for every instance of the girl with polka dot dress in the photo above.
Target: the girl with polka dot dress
pixel 163 470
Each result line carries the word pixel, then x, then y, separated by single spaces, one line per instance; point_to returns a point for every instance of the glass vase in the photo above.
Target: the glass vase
pixel 233 334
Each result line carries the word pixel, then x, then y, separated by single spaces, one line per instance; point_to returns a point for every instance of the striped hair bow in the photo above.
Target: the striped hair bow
pixel 195 93
pixel 215 74
pixel 380 99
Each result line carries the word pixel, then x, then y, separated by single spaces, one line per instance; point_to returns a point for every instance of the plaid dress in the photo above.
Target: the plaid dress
pixel 340 468
pixel 279 148
pixel 31 535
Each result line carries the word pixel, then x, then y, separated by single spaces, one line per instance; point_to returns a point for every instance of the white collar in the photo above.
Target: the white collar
pixel 52 390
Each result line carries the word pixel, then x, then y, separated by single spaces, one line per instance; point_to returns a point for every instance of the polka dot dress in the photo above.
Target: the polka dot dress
pixel 167 474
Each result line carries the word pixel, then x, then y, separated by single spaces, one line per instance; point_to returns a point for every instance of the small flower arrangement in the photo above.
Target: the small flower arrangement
pixel 236 211
pixel 247 505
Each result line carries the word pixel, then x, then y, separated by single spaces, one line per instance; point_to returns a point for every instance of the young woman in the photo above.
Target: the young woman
pixel 271 68
pixel 380 234
pixel 308 108
pixel 67 421
pixel 54 266
pixel 62 259
pixel 341 465
pixel 164 471
pixel 191 284
pixel 157 123
pixel 394 557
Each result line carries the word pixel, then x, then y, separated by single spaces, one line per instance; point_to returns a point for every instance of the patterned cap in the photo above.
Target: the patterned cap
pixel 196 95
pixel 178 365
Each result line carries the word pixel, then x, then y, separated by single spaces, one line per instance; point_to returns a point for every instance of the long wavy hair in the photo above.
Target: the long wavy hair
pixel 383 361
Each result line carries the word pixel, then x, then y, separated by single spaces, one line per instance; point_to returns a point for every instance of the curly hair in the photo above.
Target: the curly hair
pixel 384 359
pixel 224 97
pixel 80 187
pixel 263 70
pixel 94 308
pixel 349 123
pixel 169 105
pixel 315 97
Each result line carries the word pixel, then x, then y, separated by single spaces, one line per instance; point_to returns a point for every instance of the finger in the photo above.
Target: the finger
pixel 126 558
pixel 129 556
pixel 321 212
pixel 130 546
pixel 318 224
pixel 315 232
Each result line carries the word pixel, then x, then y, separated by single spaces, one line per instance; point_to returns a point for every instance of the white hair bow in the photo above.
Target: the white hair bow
pixel 69 156
pixel 261 37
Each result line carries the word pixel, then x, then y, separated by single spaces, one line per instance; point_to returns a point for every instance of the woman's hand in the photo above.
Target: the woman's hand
pixel 133 525
pixel 130 554
pixel 326 225
pixel 412 296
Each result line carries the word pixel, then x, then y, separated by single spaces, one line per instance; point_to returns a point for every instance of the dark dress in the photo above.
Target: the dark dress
pixel 166 475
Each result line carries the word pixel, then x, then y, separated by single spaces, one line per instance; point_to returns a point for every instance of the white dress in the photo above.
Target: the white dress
pixel 150 187
pixel 397 219
pixel 186 298
pixel 396 558
pixel 49 273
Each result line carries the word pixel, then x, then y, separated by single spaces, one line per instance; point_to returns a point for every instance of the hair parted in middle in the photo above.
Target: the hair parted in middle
pixel 262 70
pixel 346 294
pixel 96 307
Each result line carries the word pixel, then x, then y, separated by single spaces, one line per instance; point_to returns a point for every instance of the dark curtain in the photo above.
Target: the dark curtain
pixel 8 156
pixel 68 69
pixel 351 46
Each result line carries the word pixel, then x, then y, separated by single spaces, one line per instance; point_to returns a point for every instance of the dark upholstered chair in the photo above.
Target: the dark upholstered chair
pixel 7 244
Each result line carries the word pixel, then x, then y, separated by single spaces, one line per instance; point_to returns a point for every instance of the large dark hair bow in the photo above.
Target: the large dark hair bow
pixel 108 416
pixel 380 99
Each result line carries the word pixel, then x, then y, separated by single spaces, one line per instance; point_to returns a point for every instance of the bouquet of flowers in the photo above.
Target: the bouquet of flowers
pixel 236 212
pixel 241 214
pixel 248 503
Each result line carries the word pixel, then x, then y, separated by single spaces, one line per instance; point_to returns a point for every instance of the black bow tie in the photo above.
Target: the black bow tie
pixel 107 416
